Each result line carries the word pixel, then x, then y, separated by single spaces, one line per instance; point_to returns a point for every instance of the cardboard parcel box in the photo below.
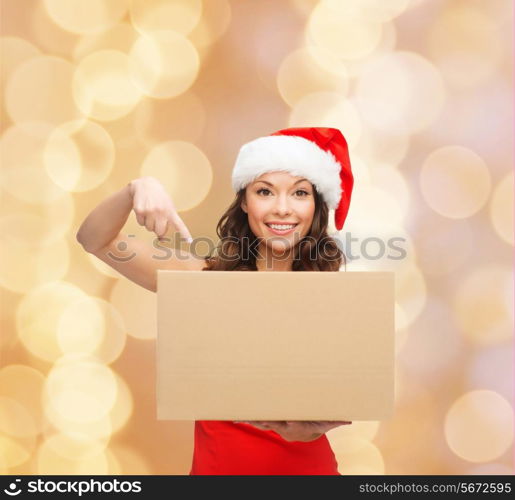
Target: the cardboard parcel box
pixel 239 345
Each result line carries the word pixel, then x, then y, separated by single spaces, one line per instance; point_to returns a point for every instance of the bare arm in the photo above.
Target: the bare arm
pixel 106 221
pixel 100 233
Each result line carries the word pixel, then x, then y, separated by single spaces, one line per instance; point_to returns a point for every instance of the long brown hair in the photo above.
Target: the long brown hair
pixel 237 247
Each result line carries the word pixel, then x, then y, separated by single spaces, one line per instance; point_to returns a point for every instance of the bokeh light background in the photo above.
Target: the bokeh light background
pixel 98 92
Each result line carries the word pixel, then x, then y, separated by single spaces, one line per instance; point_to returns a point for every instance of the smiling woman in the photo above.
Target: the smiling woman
pixel 285 186
pixel 248 240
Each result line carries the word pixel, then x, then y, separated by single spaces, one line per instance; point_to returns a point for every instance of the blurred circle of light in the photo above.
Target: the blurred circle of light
pixel 103 428
pixel 302 72
pixel 371 10
pixel 82 390
pixel 410 292
pixel 86 18
pixel 15 420
pixel 381 147
pixel 501 209
pixel 459 123
pixel 137 306
pixel 175 15
pixel 100 333
pixel 45 223
pixel 48 36
pixel 20 227
pixel 480 373
pixel 483 305
pixel 410 97
pixel 120 37
pixel 38 314
pixel 75 446
pixel 23 174
pixel 123 406
pixel 102 86
pixel 39 89
pixel 183 169
pixel 342 36
pixel 214 22
pixel 27 264
pixel 466 45
pixel 479 426
pixel 185 115
pixel 80 273
pixel 79 156
pixel 16 451
pixel 386 44
pixel 357 456
pixel 163 64
pixel 455 182
pixel 328 109
pixel 86 336
pixel 113 343
pixel 52 460
pixel 13 51
pixel 24 385
pixel 99 429
pixel 422 354
pixel 435 235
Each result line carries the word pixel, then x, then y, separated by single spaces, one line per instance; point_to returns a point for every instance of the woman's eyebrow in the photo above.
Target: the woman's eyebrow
pixel 270 184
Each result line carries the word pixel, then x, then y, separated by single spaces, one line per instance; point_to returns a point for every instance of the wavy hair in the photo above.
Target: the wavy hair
pixel 238 246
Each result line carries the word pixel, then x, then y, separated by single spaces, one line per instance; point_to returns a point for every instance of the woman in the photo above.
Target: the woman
pixel 285 184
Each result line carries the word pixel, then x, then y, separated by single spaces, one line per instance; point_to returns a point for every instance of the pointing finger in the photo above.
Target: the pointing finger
pixel 181 227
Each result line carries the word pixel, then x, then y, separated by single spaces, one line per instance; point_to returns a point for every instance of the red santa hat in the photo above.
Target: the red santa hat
pixel 319 154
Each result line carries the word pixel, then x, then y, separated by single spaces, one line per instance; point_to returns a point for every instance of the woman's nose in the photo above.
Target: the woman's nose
pixel 282 205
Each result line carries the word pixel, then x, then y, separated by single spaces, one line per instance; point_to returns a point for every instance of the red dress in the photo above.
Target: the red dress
pixel 227 448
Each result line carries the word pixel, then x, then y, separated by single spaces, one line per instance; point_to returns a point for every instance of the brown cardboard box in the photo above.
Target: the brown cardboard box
pixel 238 345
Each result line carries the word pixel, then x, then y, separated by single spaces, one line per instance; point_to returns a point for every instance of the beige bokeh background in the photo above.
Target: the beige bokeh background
pixel 96 93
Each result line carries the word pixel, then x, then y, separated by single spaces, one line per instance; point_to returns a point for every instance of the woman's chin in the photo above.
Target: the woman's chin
pixel 278 247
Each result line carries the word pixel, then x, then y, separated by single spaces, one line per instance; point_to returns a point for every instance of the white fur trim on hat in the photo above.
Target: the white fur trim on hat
pixel 294 154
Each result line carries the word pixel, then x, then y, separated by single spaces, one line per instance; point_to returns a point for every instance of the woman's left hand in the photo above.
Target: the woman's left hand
pixel 298 430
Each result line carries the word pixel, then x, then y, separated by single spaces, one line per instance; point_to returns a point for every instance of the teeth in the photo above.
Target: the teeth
pixel 275 226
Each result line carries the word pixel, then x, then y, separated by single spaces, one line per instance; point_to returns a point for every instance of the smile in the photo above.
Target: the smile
pixel 281 228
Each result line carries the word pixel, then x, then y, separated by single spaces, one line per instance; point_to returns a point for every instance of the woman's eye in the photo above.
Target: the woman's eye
pixel 304 193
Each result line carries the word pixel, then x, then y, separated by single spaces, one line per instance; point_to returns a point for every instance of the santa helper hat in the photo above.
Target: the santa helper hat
pixel 319 154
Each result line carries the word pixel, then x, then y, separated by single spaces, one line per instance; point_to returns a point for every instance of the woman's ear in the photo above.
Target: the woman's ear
pixel 243 205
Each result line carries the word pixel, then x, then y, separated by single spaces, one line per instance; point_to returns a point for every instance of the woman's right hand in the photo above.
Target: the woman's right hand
pixel 155 209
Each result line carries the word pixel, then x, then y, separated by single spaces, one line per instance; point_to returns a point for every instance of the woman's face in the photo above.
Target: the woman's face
pixel 283 199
